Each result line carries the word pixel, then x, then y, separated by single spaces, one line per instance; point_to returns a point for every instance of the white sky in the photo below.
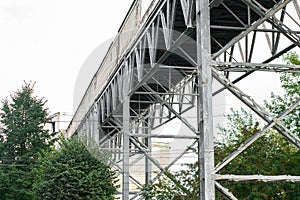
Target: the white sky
pixel 47 41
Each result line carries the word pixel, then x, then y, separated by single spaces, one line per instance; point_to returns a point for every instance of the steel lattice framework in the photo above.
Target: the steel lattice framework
pixel 167 71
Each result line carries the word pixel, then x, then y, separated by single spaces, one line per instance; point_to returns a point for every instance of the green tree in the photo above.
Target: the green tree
pixel 269 155
pixel 22 138
pixel 290 82
pixel 72 172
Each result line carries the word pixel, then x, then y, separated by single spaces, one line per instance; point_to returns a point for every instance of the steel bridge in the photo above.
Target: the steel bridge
pixel 160 68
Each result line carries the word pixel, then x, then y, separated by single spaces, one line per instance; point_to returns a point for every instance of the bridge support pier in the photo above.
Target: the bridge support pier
pixel 205 114
pixel 126 131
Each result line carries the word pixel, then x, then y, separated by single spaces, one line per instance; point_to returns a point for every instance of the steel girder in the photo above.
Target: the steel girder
pixel 167 72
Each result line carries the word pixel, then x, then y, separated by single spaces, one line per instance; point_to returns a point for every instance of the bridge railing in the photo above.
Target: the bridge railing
pixel 135 18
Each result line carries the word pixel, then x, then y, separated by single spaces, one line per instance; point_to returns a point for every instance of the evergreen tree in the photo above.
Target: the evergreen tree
pixel 72 172
pixel 22 139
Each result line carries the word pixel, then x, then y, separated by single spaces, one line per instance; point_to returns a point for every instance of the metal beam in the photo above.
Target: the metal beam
pixel 237 178
pixel 136 130
pixel 254 26
pixel 204 105
pixel 250 72
pixel 157 164
pixel 293 37
pixel 183 37
pixel 164 136
pixel 255 107
pixel 297 7
pixel 163 102
pixel 126 132
pixel 225 191
pixel 169 166
pixel 246 67
pixel 132 179
pixel 255 137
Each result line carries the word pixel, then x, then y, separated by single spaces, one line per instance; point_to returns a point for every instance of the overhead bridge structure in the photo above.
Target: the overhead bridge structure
pixel 160 69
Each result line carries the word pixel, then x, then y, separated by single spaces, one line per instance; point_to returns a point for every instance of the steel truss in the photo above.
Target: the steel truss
pixel 181 48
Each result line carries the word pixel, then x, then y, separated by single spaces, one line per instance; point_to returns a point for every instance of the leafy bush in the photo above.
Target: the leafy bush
pixel 73 173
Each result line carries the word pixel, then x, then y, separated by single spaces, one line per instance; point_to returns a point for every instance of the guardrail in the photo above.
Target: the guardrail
pixel 135 18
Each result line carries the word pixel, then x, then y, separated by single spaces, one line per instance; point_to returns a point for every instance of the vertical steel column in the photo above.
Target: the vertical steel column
pixel 126 114
pixel 95 126
pixel 205 125
pixel 148 142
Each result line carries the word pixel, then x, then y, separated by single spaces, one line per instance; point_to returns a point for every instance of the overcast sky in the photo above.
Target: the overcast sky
pixel 47 41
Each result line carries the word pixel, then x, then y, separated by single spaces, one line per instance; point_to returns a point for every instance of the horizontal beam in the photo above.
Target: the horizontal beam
pixel 246 67
pixel 263 178
pixel 240 28
pixel 164 136
pixel 165 93
pixel 173 103
pixel 290 47
pixel 115 127
pixel 176 67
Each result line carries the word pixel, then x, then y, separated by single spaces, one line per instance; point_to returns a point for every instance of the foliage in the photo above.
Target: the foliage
pixel 22 138
pixel 30 169
pixel 185 186
pixel 291 85
pixel 269 155
pixel 73 173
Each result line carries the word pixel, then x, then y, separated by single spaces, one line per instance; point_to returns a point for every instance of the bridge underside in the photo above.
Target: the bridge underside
pixel 166 76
